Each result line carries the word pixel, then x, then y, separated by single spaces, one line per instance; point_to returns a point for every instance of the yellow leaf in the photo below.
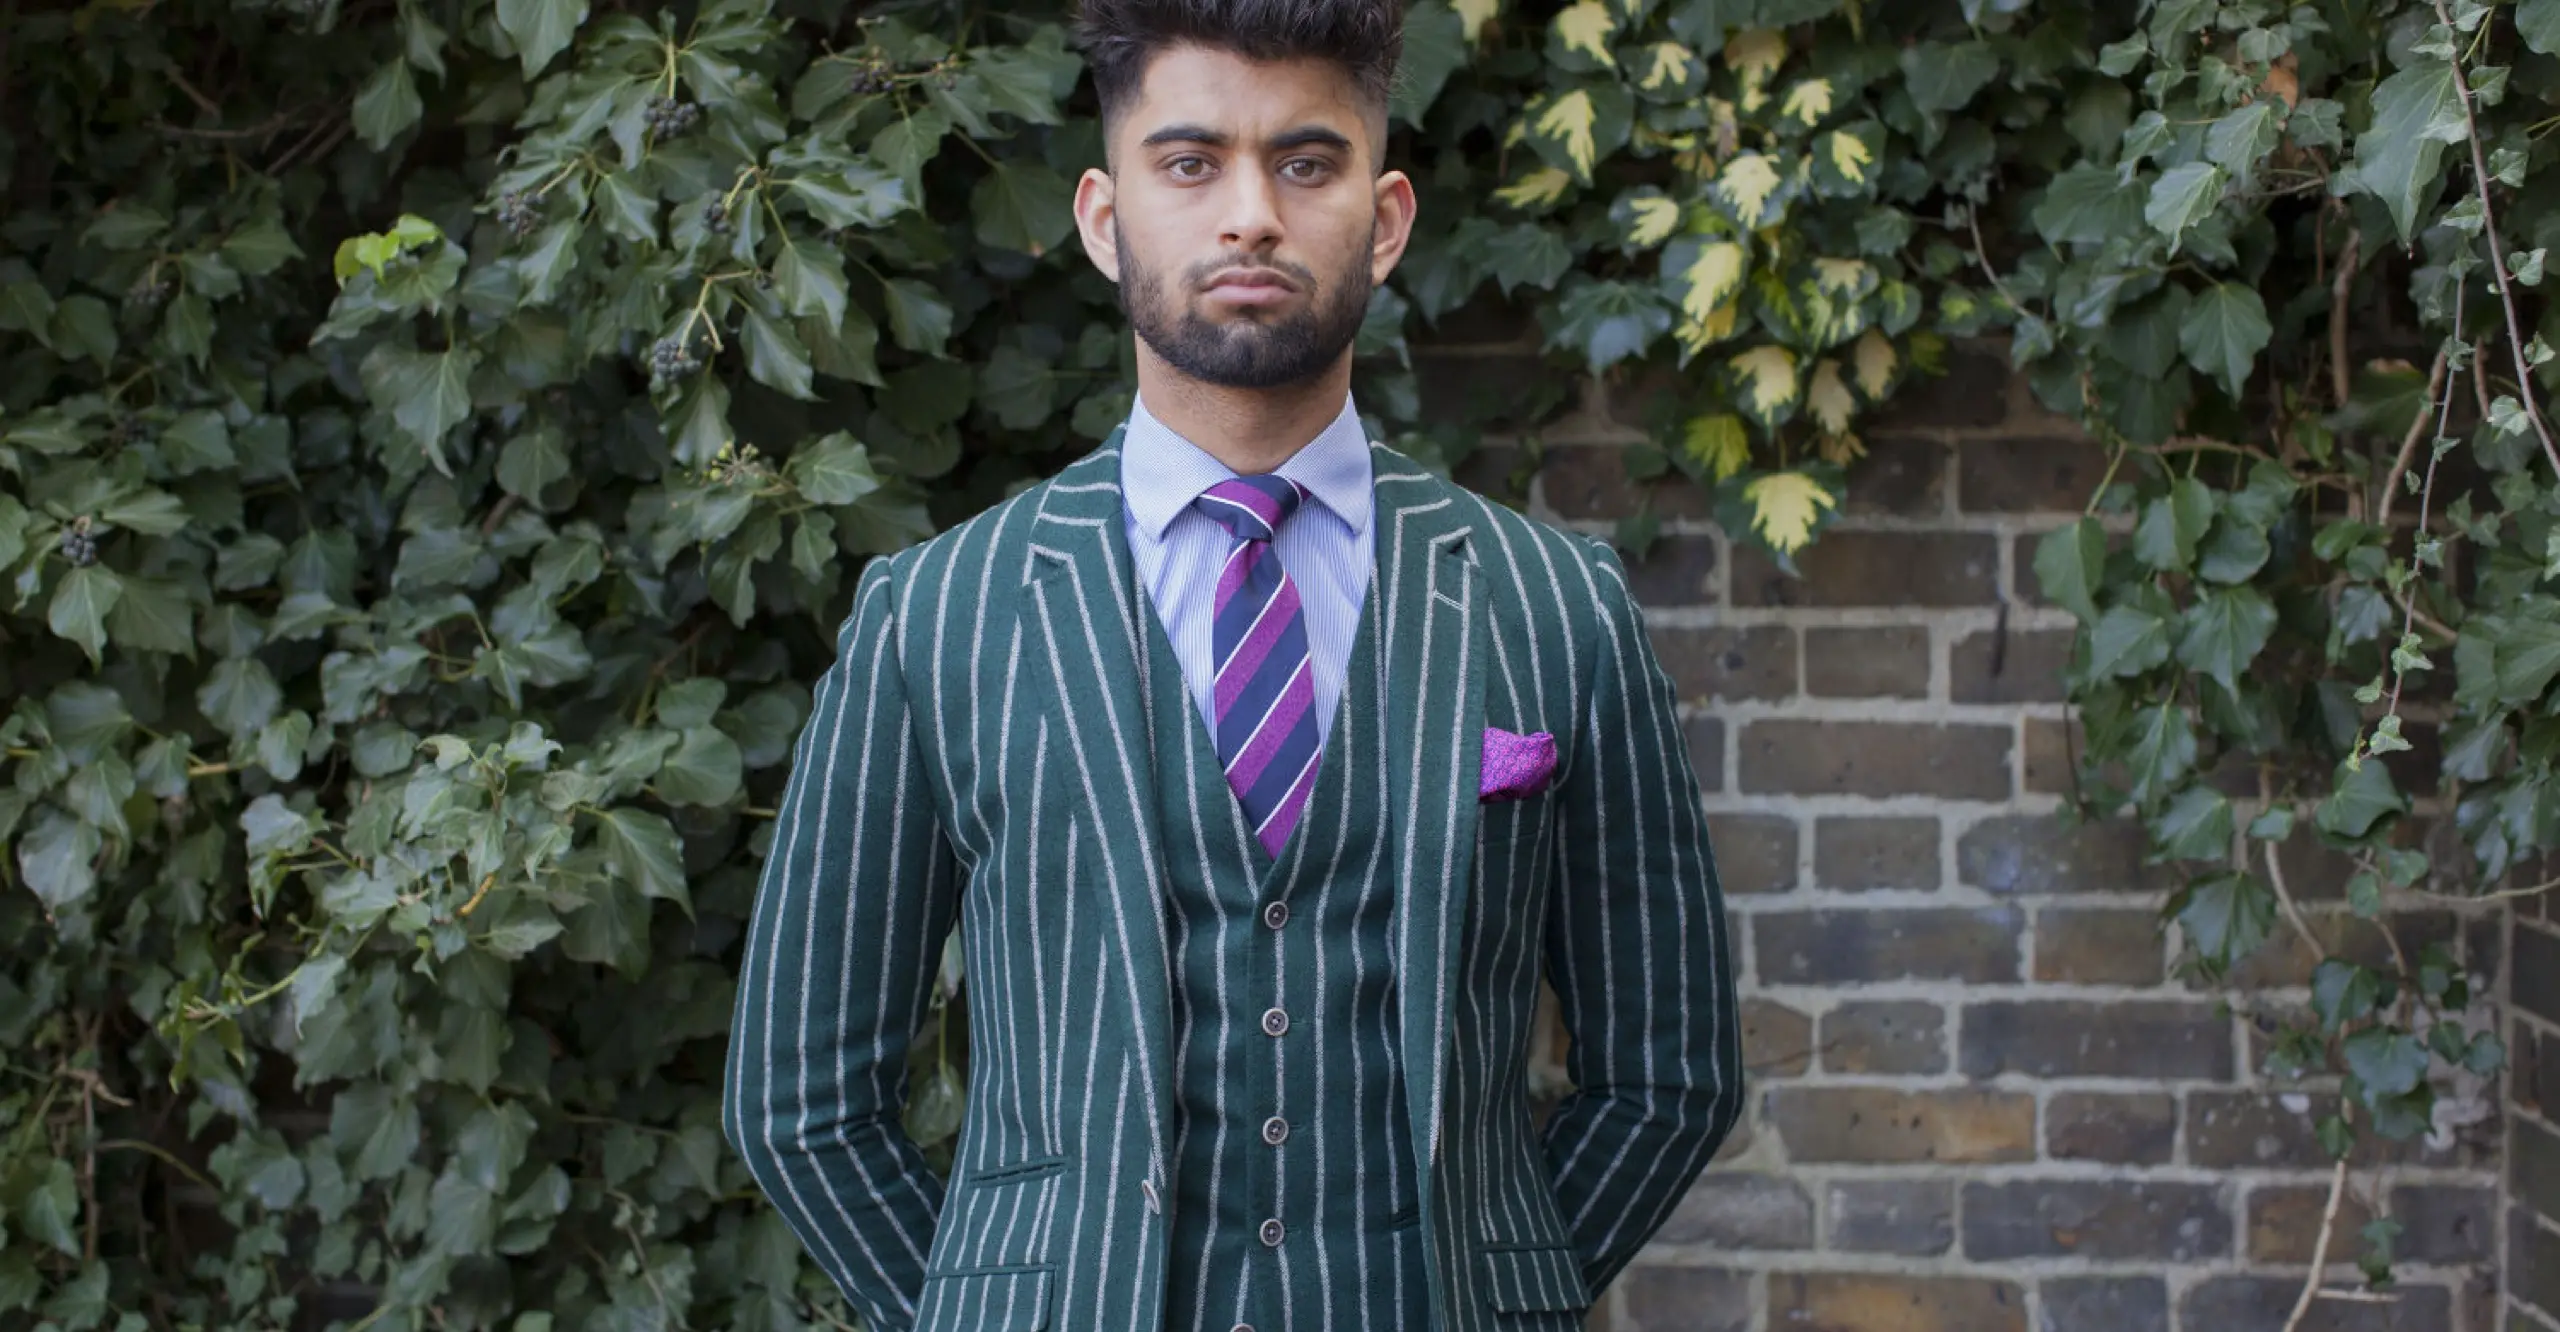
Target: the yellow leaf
pixel 1538 189
pixel 1669 67
pixel 1747 182
pixel 1768 377
pixel 1842 449
pixel 1849 157
pixel 1712 279
pixel 1587 27
pixel 1828 398
pixel 1568 119
pixel 1696 335
pixel 1876 361
pixel 1840 277
pixel 1784 508
pixel 1754 55
pixel 1808 101
pixel 1475 14
pixel 1515 134
pixel 1719 444
pixel 1656 219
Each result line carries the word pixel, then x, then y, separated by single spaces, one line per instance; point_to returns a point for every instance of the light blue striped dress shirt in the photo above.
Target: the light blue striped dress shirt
pixel 1327 546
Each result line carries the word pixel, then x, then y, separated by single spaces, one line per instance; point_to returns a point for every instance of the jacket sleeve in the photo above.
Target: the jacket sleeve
pixel 857 896
pixel 1637 953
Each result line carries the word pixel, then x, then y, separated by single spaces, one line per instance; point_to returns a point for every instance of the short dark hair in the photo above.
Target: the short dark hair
pixel 1120 37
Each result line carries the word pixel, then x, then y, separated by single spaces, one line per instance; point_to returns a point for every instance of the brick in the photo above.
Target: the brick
pixel 2104 1304
pixel 1675 571
pixel 2533 1168
pixel 1902 475
pixel 1862 758
pixel 2248 1303
pixel 1863 854
pixel 1748 663
pixel 1914 1217
pixel 2040 853
pixel 2536 1070
pixel 2108 1219
pixel 1879 1302
pixel 2286 962
pixel 1973 392
pixel 2284 1223
pixel 2312 871
pixel 2075 1038
pixel 2450 1224
pixel 1889 1036
pixel 1883 1125
pixel 1851 567
pixel 2136 1128
pixel 1890 662
pixel 1669 1298
pixel 2043 474
pixel 1591 482
pixel 2099 946
pixel 1705 735
pixel 2009 666
pixel 1742 1211
pixel 2535 969
pixel 1850 946
pixel 1777 1041
pixel 2236 1130
pixel 2049 755
pixel 1754 853
pixel 2533 1262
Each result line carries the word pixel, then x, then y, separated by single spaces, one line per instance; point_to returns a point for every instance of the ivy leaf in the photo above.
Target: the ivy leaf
pixel 2086 205
pixel 2171 524
pixel 2227 917
pixel 2343 992
pixel 2127 640
pixel 2360 795
pixel 808 277
pixel 1579 38
pixel 919 319
pixel 2225 329
pixel 2416 112
pixel 50 1208
pixel 1786 507
pixel 644 850
pixel 1607 322
pixel 1435 46
pixel 2223 632
pixel 2195 826
pixel 57 857
pixel 775 357
pixel 832 470
pixel 2163 749
pixel 540 29
pixel 1945 76
pixel 705 768
pixel 612 929
pixel 1022 206
pixel 1574 130
pixel 387 104
pixel 2387 1062
pixel 2538 22
pixel 2069 563
pixel 427 393
pixel 2181 197
pixel 80 605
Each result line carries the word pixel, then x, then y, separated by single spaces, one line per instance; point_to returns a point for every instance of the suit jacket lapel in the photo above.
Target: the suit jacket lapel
pixel 1435 641
pixel 1079 611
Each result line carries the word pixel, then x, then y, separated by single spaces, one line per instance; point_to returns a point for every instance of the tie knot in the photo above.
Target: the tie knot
pixel 1251 508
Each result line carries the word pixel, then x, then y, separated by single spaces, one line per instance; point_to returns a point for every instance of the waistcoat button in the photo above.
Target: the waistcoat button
pixel 1276 915
pixel 1275 1023
pixel 1272 1234
pixel 1242 1327
pixel 1275 1130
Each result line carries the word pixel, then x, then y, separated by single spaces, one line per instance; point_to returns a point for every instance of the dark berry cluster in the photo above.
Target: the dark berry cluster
pixel 669 117
pixel 148 292
pixel 77 545
pixel 671 359
pixel 871 76
pixel 519 214
pixel 715 218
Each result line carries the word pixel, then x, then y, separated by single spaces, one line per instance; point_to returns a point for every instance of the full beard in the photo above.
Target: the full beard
pixel 1251 351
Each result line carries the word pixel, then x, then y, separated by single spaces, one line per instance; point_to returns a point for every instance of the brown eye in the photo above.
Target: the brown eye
pixel 1178 167
pixel 1314 168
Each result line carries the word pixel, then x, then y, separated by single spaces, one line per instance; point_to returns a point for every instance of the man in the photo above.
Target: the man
pixel 1261 771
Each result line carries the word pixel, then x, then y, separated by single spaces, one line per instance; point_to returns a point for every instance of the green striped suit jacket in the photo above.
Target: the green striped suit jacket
pixel 979 752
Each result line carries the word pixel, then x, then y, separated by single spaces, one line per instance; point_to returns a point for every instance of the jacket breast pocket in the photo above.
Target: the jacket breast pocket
pixel 995 1299
pixel 998 1218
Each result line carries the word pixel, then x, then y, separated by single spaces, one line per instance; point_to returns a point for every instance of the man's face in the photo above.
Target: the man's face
pixel 1244 217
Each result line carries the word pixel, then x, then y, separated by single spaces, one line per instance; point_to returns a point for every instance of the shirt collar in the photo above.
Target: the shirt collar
pixel 1161 472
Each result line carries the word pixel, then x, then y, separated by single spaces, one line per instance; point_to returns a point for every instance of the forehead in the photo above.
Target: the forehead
pixel 1242 98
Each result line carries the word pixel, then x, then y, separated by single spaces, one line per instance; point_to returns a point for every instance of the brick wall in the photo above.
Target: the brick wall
pixel 2533 1147
pixel 1983 1100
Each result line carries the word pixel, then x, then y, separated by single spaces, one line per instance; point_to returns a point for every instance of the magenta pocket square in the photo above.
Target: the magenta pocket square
pixel 1516 767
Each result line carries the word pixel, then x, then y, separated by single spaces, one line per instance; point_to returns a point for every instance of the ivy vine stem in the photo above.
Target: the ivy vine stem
pixel 2498 256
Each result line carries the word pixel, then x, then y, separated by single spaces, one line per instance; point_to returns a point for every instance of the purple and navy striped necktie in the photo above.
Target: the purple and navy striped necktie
pixel 1265 691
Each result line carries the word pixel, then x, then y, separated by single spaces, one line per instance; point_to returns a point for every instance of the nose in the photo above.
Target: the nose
pixel 1252 223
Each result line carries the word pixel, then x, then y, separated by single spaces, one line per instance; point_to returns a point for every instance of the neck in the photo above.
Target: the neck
pixel 1252 431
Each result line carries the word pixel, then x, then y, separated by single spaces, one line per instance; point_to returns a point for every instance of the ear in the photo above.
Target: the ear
pixel 1097 220
pixel 1395 212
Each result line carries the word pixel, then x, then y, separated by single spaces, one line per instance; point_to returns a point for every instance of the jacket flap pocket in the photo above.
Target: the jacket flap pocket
pixel 988 1299
pixel 1537 1280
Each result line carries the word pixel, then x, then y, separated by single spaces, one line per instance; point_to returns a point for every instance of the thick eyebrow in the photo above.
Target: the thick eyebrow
pixel 1304 136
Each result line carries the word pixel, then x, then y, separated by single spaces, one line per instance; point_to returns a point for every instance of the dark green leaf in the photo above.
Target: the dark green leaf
pixel 643 849
pixel 540 29
pixel 2172 524
pixel 705 769
pixel 809 279
pixel 2195 826
pixel 1022 205
pixel 1943 77
pixel 833 470
pixel 2360 795
pixel 919 319
pixel 775 357
pixel 2388 1062
pixel 2343 992
pixel 2223 632
pixel 387 104
pixel 2225 329
pixel 80 605
pixel 2416 112
pixel 2227 917
pixel 2068 565
pixel 50 1208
